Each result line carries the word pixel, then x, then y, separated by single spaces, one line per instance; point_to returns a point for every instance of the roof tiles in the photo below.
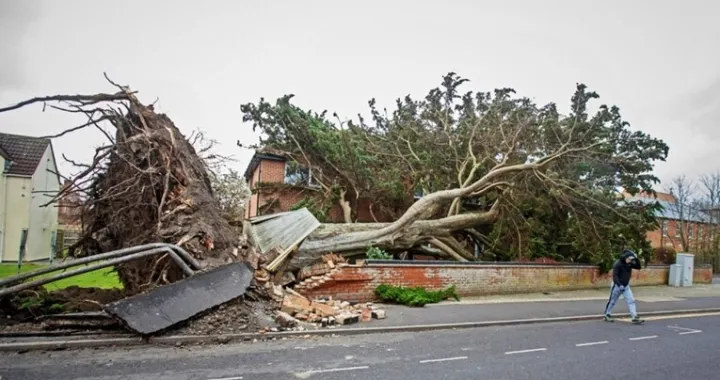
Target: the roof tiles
pixel 24 152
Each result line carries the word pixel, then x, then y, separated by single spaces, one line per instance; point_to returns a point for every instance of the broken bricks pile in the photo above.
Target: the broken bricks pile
pixel 296 311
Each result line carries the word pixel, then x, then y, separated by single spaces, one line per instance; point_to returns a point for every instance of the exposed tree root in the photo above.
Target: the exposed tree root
pixel 146 185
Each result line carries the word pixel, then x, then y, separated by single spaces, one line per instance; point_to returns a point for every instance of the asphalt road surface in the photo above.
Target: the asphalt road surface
pixel 668 349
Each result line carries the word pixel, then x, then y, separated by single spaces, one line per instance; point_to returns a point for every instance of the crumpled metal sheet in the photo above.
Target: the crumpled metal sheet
pixel 281 230
pixel 171 304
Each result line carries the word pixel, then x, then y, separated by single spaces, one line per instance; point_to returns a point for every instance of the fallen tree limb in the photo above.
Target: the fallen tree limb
pixel 341 238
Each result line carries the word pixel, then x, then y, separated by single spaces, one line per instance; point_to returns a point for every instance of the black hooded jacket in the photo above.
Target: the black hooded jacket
pixel 623 271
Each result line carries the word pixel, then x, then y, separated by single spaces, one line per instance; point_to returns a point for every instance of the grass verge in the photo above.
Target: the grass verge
pixel 104 278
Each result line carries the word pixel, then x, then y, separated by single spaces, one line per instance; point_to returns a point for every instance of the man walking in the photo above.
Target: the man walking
pixel 622 271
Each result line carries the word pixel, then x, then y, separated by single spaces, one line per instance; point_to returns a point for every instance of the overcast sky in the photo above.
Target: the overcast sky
pixel 658 61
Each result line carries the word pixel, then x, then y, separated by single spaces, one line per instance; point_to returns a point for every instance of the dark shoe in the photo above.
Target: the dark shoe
pixel 638 321
pixel 609 318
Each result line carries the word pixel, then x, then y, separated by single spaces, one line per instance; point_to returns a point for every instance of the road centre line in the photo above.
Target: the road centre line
pixel 690 332
pixel 591 343
pixel 443 360
pixel 337 369
pixel 525 351
pixel 644 337
pixel 228 378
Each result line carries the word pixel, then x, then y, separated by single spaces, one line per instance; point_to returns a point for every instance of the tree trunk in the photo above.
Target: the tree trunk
pixel 357 237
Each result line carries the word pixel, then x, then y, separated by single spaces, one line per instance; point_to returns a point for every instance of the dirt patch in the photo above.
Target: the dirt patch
pixel 28 305
pixel 235 317
pixel 93 295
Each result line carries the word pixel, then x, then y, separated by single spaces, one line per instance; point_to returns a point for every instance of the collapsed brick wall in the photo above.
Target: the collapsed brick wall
pixel 358 283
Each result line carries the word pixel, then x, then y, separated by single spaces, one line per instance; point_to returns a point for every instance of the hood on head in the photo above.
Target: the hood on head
pixel 628 253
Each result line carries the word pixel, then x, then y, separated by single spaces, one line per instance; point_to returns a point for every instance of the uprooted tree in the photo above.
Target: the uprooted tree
pixel 493 169
pixel 147 184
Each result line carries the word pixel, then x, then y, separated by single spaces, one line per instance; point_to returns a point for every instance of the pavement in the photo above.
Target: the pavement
pixel 674 348
pixel 548 305
pixel 469 312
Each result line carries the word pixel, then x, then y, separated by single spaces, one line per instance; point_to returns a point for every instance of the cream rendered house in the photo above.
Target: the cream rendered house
pixel 29 180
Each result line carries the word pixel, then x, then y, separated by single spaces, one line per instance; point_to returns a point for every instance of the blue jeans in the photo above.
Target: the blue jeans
pixel 615 292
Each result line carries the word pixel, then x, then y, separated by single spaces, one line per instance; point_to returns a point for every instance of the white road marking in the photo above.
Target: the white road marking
pixel 690 332
pixel 644 337
pixel 525 351
pixel 684 330
pixel 228 378
pixel 680 328
pixel 443 360
pixel 591 343
pixel 337 369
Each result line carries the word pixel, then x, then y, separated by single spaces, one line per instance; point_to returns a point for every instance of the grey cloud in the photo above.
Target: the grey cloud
pixel 698 110
pixel 16 18
pixel 654 60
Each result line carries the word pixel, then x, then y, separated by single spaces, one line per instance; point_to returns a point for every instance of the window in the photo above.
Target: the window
pixel 664 227
pixel 677 229
pixel 298 175
pixel 691 228
pixel 700 232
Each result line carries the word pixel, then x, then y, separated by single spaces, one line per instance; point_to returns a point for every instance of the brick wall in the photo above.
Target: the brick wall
pixel 268 171
pixel 357 283
pixel 69 207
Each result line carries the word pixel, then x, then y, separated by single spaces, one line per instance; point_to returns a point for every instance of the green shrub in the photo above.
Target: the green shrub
pixel 375 253
pixel 416 297
pixel 664 255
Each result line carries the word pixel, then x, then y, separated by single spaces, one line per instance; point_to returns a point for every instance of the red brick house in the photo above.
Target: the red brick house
pixel 69 223
pixel 278 183
pixel 69 207
pixel 698 226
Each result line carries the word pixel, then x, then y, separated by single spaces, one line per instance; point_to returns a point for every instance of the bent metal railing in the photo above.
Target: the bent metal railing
pixel 181 257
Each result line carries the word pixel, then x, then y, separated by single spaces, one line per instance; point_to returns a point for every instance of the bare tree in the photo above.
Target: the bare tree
pixel 232 192
pixel 709 198
pixel 683 191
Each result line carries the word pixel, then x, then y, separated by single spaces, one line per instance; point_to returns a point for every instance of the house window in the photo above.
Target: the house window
pixel 690 231
pixel 298 175
pixel 700 232
pixel 664 227
pixel 677 229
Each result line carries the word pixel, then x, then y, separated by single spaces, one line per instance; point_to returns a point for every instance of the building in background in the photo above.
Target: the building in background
pixel 69 222
pixel 278 183
pixel 699 226
pixel 28 228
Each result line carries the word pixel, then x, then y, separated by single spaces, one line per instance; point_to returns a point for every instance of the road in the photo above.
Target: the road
pixel 668 349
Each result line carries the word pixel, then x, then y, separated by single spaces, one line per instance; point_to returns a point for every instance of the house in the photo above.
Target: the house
pixel 698 226
pixel 29 180
pixel 278 183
